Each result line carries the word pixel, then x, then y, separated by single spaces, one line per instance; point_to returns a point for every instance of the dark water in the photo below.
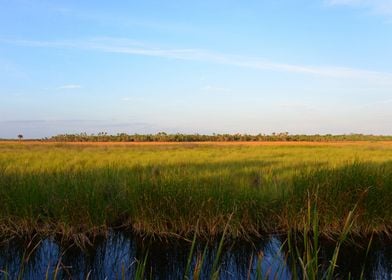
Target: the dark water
pixel 116 258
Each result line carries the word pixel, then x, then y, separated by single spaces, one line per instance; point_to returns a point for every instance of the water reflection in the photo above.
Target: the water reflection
pixel 116 258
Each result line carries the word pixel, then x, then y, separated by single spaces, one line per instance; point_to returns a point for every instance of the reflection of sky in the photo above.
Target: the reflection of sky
pixel 381 265
pixel 116 258
pixel 267 260
pixel 273 265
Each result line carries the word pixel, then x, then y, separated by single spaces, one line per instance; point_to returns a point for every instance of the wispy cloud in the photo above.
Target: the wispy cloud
pixel 211 88
pixel 130 47
pixel 69 86
pixel 382 7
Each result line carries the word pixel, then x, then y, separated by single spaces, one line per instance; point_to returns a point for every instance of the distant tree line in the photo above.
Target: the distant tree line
pixel 164 137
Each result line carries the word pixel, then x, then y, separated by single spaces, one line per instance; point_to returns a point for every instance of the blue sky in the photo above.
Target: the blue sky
pixel 305 66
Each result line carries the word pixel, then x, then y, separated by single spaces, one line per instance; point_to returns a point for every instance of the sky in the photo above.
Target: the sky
pixel 206 66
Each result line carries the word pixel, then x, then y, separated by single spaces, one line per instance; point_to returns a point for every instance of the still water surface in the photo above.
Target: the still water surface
pixel 116 258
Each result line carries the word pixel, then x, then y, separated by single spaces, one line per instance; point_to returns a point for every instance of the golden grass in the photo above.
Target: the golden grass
pixel 163 188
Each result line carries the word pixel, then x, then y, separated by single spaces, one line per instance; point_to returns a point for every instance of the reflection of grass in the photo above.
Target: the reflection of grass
pixel 165 189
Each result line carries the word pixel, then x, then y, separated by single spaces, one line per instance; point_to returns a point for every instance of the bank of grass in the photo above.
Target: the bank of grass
pixel 162 190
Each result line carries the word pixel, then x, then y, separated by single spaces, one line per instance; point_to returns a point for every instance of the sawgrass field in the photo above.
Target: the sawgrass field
pixel 182 189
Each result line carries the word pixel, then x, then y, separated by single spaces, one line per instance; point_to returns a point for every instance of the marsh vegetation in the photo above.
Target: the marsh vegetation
pixel 303 193
pixel 164 189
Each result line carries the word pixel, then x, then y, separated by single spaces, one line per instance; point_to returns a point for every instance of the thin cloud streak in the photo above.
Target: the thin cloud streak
pixel 212 88
pixel 381 7
pixel 70 86
pixel 125 46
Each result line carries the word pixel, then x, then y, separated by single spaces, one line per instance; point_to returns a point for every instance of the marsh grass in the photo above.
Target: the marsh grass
pixel 305 254
pixel 81 191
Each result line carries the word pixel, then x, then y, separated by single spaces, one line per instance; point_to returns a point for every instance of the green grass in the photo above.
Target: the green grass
pixel 164 189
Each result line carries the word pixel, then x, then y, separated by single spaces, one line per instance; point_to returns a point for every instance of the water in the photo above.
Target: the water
pixel 116 258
